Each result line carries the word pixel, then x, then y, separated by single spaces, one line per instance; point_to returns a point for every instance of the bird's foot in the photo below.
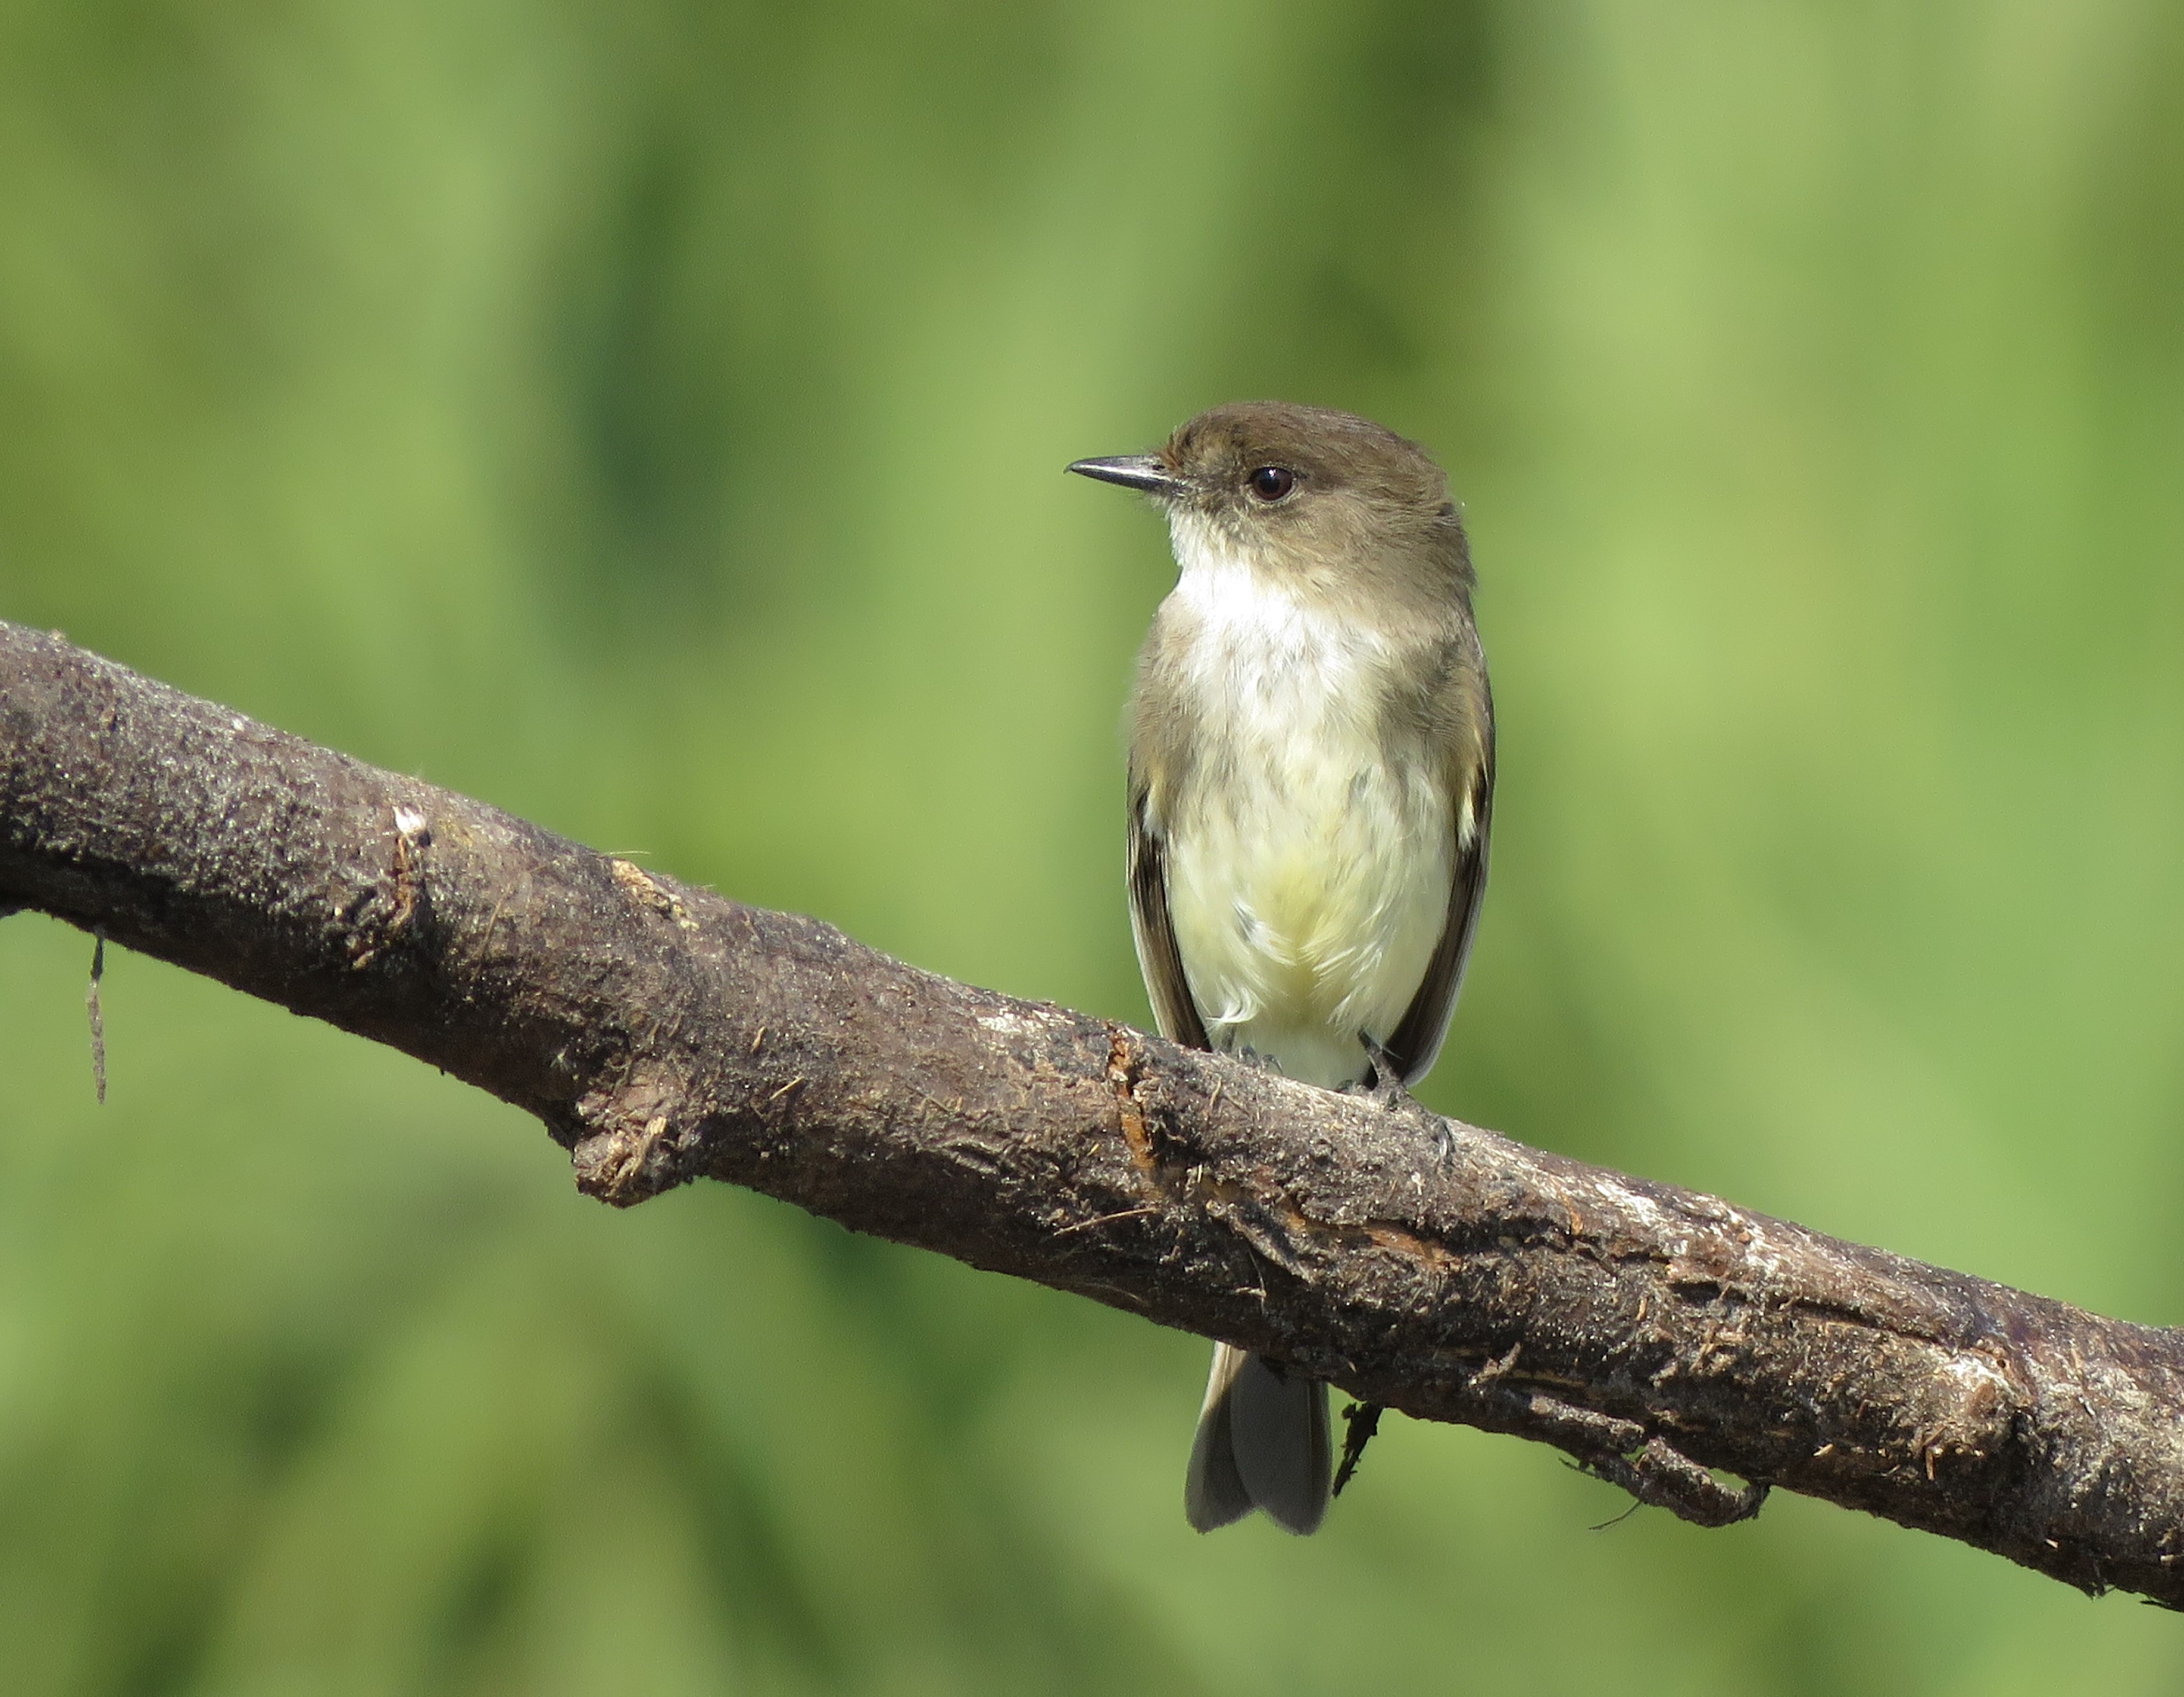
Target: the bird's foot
pixel 1384 1079
pixel 1360 1421
pixel 1383 1083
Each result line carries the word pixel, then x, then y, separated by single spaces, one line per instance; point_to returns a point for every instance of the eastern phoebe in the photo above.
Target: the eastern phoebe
pixel 1311 772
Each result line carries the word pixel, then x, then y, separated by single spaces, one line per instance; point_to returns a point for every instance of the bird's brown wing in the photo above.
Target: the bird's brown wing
pixel 1162 966
pixel 1417 1039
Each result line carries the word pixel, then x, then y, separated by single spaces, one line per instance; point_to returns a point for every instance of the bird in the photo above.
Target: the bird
pixel 1311 787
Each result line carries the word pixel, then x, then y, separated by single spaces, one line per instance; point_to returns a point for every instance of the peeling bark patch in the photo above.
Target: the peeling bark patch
pixel 370 938
pixel 649 893
pixel 1130 1117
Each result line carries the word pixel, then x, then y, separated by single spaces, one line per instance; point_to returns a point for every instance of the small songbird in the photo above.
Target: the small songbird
pixel 1311 773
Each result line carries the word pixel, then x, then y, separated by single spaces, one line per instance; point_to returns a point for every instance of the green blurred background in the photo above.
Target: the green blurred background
pixel 649 417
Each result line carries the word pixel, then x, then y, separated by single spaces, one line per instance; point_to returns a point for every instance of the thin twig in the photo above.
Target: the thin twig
pixel 95 1010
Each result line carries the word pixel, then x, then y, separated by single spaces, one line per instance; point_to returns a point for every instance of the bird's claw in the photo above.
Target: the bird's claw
pixel 1384 1079
pixel 1383 1084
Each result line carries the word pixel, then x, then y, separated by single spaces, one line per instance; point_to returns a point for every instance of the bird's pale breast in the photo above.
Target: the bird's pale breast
pixel 1308 871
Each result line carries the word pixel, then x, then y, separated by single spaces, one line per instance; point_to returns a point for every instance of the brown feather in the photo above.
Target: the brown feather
pixel 1417 1039
pixel 1165 985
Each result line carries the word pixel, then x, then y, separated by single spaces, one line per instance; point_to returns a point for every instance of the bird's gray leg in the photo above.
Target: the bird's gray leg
pixel 1384 1081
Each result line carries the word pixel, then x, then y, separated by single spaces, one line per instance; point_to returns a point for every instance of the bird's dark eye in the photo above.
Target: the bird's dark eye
pixel 1271 482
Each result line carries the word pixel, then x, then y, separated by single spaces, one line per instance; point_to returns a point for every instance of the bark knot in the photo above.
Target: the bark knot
pixel 629 1148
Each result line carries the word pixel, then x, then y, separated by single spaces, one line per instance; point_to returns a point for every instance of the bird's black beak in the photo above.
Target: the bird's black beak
pixel 1133 471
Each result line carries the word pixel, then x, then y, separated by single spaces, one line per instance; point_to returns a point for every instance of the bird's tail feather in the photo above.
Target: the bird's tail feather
pixel 1261 1443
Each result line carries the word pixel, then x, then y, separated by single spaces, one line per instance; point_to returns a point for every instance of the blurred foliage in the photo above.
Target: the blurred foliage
pixel 649 417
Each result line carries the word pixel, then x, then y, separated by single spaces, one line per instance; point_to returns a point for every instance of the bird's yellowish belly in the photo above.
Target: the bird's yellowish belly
pixel 1309 883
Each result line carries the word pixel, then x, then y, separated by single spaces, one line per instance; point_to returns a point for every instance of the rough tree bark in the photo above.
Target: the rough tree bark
pixel 663 1033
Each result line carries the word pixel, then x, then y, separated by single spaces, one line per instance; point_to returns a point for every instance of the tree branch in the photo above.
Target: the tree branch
pixel 663 1033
